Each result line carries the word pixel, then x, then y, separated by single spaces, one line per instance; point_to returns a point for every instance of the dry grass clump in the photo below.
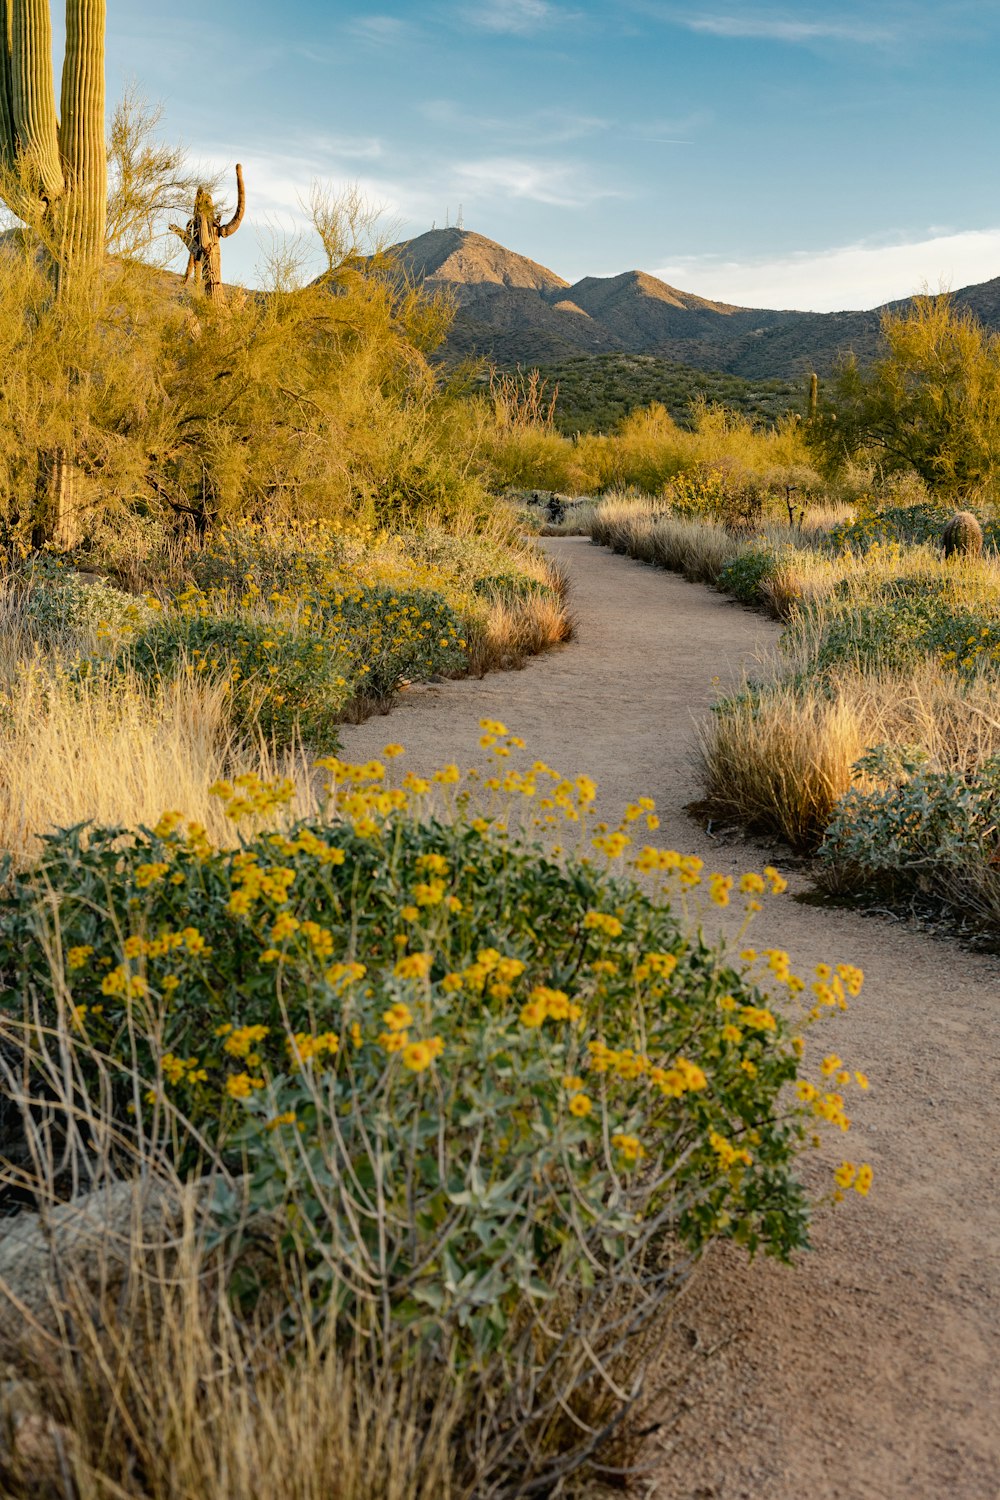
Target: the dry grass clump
pixel 642 528
pixel 781 760
pixel 114 753
pixel 780 757
pixel 165 1391
pixel 505 632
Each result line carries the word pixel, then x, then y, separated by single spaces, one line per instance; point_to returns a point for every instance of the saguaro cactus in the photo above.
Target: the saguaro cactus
pixel 202 235
pixel 55 169
pixel 962 535
pixel 813 407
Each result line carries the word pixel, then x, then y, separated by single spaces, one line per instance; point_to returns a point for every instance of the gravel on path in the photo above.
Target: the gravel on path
pixel 869 1370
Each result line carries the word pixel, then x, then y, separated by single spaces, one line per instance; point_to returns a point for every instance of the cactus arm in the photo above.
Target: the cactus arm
pixel 186 237
pixel 8 135
pixel 81 129
pixel 33 94
pixel 225 230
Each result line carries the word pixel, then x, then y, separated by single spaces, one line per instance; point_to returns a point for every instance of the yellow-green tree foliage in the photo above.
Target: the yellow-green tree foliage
pixel 304 400
pixel 930 403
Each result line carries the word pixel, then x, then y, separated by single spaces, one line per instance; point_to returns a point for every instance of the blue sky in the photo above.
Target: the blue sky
pixel 808 155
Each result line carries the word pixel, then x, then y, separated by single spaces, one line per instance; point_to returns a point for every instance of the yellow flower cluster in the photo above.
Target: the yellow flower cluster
pixel 546 1004
pixel 686 867
pixel 304 1047
pixel 599 921
pixel 418 1056
pixel 831 988
pixel 682 1077
pixel 413 966
pixel 241 1085
pixel 242 1041
pixel 177 1070
pixel 729 1155
pixel 342 975
pixel 630 1147
pixel 120 981
pixel 491 972
pixel 849 1176
pixel 662 965
pixel 194 837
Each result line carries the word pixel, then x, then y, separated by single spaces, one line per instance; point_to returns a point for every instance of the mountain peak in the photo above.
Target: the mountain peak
pixel 462 257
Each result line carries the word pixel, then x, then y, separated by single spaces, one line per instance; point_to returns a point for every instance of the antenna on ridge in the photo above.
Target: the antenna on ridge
pixel 446 213
pixel 460 221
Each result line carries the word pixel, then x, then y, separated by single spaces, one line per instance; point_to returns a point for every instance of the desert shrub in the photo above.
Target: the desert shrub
pixel 928 403
pixel 296 993
pixel 744 576
pixel 315 398
pixel 910 525
pixel 913 829
pixel 282 682
pixel 914 618
pixel 53 604
pixel 490 1100
pixel 292 670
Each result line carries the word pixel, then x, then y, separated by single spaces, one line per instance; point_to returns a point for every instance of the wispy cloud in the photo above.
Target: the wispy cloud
pixel 775 28
pixel 561 184
pixel 381 30
pixel 547 126
pixel 516 17
pixel 861 275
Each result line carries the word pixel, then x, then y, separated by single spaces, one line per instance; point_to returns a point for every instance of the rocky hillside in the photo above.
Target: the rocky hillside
pixel 514 311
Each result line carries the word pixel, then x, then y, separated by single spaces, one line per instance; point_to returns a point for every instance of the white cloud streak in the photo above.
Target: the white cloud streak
pixel 849 276
pixel 383 31
pixel 560 184
pixel 527 127
pixel 516 17
pixel 782 29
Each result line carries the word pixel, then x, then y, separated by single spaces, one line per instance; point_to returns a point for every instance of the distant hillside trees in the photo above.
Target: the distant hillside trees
pixel 930 403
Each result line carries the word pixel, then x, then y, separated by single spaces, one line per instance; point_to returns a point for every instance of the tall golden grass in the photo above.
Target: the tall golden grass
pixel 780 757
pixel 114 753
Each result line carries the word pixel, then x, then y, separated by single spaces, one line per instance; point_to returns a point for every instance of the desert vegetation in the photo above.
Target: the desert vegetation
pixel 352 1121
pixel 872 739
pixel 597 390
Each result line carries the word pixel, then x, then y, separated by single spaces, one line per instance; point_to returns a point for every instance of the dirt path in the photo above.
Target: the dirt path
pixel 869 1369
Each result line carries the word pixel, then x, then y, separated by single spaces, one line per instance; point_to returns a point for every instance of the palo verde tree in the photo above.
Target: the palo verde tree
pixel 930 402
pixel 55 164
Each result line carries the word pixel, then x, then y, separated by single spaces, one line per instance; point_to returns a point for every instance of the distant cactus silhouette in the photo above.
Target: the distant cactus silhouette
pixel 962 535
pixel 201 235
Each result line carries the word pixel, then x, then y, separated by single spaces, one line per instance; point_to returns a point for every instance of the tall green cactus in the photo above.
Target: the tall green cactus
pixel 813 397
pixel 55 170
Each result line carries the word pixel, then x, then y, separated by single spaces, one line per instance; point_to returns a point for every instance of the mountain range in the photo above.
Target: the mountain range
pixel 514 311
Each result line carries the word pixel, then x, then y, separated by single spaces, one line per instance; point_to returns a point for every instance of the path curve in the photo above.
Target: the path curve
pixel 870 1370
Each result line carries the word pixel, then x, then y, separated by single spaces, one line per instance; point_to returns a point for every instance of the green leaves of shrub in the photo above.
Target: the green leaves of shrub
pixel 444 1184
pixel 744 575
pixel 919 830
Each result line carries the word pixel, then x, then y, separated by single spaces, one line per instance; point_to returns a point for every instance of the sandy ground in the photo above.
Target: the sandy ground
pixel 871 1368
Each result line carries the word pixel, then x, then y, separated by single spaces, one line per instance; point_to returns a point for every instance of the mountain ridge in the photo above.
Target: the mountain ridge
pixel 513 310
